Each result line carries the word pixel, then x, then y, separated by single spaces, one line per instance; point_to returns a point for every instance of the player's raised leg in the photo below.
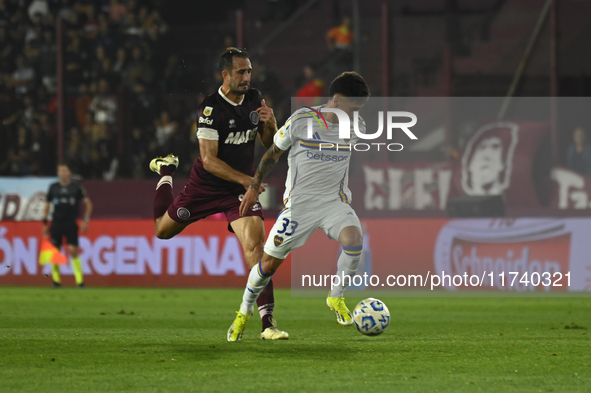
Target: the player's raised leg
pixel 351 240
pixel 258 278
pixel 165 226
pixel 251 234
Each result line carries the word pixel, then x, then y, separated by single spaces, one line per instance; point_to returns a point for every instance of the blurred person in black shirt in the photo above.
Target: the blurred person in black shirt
pixel 579 153
pixel 66 196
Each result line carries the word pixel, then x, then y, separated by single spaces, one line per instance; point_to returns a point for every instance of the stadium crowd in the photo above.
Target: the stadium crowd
pixel 116 69
pixel 128 95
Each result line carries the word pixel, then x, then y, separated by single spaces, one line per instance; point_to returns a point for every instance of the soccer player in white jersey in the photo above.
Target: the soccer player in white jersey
pixel 316 194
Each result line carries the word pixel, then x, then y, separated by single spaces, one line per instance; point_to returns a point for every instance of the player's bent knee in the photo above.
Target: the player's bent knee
pixel 351 237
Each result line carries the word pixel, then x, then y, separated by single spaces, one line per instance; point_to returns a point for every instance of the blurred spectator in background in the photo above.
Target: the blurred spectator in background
pixel 114 51
pixel 22 77
pixel 6 44
pixel 97 61
pixel 77 62
pixel 131 25
pixel 91 24
pixel 165 129
pixel 82 103
pixel 64 9
pixel 73 150
pixel 34 30
pixel 92 131
pixel 579 153
pixel 28 111
pixel 143 107
pixel 172 75
pixel 266 81
pixel 339 40
pixel 38 7
pixel 104 105
pixel 116 11
pixel 17 161
pixel 138 70
pixel 104 37
pixel 5 10
pixel 311 91
pixel 214 81
pixel 47 61
pixel 139 150
pixel 121 60
pixel 19 24
pixel 106 72
pixel 47 124
pixel 40 145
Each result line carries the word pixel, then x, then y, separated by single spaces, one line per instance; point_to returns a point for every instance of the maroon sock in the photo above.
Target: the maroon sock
pixel 266 303
pixel 163 198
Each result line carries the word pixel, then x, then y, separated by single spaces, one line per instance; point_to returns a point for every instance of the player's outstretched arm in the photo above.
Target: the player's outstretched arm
pixel 265 166
pixel 269 126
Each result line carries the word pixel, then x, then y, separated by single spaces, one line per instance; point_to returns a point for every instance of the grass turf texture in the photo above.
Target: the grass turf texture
pixel 159 340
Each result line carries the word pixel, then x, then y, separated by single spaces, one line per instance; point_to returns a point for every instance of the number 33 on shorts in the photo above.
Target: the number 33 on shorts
pixel 288 224
pixel 283 236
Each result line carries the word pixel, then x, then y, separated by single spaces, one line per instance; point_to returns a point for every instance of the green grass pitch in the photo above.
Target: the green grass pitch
pixel 174 340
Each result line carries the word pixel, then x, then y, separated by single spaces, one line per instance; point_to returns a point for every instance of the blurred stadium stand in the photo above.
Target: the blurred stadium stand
pixel 135 71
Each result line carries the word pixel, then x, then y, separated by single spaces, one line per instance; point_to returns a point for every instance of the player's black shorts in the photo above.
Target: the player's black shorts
pixel 57 233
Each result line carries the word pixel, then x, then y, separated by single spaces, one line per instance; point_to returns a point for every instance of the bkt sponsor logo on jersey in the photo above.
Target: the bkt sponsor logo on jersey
pixel 325 157
pixel 240 137
pixel 206 121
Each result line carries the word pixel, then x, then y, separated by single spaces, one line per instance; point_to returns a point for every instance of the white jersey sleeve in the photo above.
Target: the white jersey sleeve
pixel 282 138
pixel 289 132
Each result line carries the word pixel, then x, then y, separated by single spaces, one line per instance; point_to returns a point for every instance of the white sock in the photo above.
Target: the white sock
pixel 257 281
pixel 164 180
pixel 346 268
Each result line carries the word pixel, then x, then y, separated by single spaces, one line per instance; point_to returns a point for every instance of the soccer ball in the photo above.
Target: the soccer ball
pixel 371 316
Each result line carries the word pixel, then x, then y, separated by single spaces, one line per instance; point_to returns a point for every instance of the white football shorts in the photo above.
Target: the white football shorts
pixel 292 230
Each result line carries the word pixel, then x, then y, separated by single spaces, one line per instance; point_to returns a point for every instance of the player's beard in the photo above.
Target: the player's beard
pixel 239 89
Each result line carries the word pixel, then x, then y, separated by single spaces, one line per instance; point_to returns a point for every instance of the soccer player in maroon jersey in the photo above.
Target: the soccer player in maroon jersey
pixel 229 121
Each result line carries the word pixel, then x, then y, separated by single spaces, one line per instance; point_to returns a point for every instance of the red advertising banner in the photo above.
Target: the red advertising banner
pixel 126 253
pixel 511 255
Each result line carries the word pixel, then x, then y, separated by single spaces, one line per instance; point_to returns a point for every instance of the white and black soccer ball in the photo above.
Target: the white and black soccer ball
pixel 371 316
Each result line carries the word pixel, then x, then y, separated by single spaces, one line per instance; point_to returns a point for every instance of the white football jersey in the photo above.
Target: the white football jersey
pixel 318 164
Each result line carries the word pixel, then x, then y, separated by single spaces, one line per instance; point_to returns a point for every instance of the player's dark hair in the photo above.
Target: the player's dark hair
pixel 349 84
pixel 227 58
pixel 63 163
